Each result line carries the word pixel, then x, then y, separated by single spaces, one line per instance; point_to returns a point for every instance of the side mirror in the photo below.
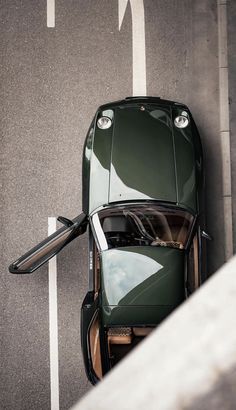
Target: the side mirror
pixel 65 221
pixel 205 235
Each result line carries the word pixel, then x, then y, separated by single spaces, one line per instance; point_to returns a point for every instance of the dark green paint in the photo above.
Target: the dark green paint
pixel 141 276
pixel 143 156
pixel 135 315
pixel 87 152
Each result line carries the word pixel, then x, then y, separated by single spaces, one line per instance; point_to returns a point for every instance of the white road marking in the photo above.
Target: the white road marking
pixel 53 323
pixel 122 8
pixel 224 126
pixel 138 43
pixel 50 13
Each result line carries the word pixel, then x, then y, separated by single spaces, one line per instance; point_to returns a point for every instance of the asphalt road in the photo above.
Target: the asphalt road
pixel 52 81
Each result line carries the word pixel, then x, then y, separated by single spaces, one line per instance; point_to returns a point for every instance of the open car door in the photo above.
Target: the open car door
pixel 90 337
pixel 50 246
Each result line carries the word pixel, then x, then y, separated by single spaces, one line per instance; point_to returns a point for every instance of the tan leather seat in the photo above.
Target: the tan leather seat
pixel 142 331
pixel 95 348
pixel 122 335
pixel 178 234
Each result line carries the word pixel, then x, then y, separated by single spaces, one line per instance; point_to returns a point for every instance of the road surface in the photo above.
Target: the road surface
pixel 52 81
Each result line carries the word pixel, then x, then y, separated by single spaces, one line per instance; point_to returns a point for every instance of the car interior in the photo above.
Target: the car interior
pixel 122 340
pixel 149 226
pixel 95 347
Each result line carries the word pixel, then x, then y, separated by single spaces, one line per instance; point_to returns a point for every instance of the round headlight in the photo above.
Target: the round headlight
pixel 104 123
pixel 182 120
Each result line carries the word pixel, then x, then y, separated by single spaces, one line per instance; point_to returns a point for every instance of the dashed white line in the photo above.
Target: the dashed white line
pixel 138 43
pixel 224 126
pixel 122 4
pixel 51 13
pixel 53 323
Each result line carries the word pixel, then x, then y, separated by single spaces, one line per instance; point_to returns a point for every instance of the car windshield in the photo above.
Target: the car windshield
pixel 150 225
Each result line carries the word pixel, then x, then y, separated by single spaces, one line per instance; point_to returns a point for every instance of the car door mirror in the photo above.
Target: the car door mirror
pixel 65 221
pixel 205 235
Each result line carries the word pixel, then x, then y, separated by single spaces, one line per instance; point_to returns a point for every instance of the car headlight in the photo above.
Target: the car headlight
pixel 104 123
pixel 182 120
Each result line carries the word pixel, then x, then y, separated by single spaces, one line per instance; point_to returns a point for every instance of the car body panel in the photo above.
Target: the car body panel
pixel 185 164
pixel 135 315
pixel 141 144
pixel 100 167
pixel 141 276
pixel 140 160
pixel 143 156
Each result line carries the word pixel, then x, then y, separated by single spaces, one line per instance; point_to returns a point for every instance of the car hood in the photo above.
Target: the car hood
pixel 143 282
pixel 143 156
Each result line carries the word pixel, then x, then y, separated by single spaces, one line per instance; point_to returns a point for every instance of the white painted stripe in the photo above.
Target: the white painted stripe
pixel 50 13
pixel 224 126
pixel 139 50
pixel 122 8
pixel 53 323
pixel 138 43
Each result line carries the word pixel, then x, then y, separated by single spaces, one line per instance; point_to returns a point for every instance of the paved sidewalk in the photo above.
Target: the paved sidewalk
pixel 232 100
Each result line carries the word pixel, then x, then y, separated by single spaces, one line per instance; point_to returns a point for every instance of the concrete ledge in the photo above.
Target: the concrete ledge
pixel 189 362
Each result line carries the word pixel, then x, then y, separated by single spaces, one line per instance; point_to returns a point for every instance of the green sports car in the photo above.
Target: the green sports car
pixel 142 206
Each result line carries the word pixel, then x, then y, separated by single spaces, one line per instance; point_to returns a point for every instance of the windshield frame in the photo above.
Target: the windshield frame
pixel 99 235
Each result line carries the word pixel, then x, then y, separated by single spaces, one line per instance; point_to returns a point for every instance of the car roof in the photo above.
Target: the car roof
pixel 143 156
